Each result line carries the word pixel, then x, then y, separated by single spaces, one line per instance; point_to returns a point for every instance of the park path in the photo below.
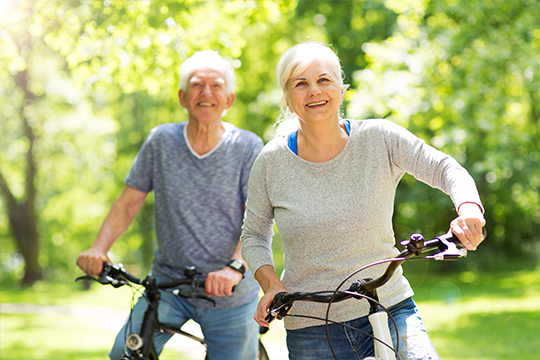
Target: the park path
pixel 113 319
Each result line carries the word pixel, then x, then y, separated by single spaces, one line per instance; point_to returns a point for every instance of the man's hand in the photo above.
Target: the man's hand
pixel 91 261
pixel 220 283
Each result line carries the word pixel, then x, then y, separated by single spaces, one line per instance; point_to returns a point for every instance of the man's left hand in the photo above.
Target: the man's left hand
pixel 221 282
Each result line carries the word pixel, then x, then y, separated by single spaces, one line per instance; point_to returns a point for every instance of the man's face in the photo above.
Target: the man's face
pixel 206 95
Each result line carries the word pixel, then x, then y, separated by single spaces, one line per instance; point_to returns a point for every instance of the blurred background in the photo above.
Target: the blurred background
pixel 83 82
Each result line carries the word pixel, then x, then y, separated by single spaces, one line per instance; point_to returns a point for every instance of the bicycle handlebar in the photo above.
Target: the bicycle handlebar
pixel 448 244
pixel 116 275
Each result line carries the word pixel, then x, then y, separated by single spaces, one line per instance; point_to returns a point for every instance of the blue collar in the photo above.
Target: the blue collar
pixel 292 138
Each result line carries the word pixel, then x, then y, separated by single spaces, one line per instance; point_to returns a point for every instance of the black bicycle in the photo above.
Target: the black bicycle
pixel 449 249
pixel 140 346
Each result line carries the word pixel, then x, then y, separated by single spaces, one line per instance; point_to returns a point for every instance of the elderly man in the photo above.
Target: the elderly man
pixel 198 170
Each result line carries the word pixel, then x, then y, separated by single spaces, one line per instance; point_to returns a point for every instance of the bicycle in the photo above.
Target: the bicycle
pixel 450 250
pixel 140 345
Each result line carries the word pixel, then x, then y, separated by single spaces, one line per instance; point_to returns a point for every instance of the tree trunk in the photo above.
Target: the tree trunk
pixel 23 226
pixel 23 219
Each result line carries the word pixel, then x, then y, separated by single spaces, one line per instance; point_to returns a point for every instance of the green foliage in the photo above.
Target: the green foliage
pixel 462 75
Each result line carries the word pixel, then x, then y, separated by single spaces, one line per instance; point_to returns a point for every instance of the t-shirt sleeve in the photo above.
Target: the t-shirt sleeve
pixel 140 175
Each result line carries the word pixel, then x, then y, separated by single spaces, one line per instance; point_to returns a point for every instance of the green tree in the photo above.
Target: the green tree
pixel 99 76
pixel 82 84
pixel 464 76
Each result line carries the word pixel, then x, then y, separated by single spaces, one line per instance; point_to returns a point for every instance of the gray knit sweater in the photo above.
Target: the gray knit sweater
pixel 336 216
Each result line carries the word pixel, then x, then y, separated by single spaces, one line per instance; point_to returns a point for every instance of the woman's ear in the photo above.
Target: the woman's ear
pixel 288 107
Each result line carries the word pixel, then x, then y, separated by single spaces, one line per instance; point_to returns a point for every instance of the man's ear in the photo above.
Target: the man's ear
pixel 182 97
pixel 230 101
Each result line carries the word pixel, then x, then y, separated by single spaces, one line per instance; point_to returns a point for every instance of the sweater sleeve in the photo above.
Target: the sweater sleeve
pixel 431 166
pixel 257 230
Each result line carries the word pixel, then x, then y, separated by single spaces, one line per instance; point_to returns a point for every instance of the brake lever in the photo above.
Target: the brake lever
pixel 453 251
pixel 104 277
pixel 86 277
pixel 279 309
pixel 188 294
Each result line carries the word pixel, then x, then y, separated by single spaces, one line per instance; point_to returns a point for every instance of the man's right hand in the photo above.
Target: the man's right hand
pixel 91 261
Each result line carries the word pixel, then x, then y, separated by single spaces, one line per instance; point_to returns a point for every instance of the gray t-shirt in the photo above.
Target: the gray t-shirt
pixel 336 216
pixel 199 202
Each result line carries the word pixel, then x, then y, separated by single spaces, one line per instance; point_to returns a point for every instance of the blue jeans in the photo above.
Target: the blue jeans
pixel 230 333
pixel 311 343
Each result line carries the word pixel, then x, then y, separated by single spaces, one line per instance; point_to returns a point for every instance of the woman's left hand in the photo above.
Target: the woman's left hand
pixel 468 225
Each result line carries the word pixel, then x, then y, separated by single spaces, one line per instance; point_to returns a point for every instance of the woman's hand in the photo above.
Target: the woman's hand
pixel 265 304
pixel 271 285
pixel 468 225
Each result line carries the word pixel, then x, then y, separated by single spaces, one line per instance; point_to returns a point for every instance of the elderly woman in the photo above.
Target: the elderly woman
pixel 329 184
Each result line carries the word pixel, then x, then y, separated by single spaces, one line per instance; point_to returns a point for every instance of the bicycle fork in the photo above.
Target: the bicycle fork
pixel 378 318
pixel 143 344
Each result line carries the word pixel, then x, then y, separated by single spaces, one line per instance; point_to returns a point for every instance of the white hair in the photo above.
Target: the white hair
pixel 207 59
pixel 294 62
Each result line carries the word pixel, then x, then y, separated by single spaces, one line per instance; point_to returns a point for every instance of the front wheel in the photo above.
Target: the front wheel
pixel 263 355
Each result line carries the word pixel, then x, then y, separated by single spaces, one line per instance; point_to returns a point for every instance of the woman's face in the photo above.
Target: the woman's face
pixel 315 95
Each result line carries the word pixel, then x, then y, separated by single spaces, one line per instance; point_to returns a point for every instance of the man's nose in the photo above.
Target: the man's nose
pixel 207 90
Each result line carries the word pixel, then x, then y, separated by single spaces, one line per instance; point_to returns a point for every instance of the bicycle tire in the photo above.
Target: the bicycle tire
pixel 262 354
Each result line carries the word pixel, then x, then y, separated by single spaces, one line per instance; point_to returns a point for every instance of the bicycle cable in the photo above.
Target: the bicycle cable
pixel 378 303
pixel 380 262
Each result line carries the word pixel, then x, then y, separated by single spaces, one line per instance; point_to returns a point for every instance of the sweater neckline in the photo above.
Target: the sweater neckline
pixel 352 135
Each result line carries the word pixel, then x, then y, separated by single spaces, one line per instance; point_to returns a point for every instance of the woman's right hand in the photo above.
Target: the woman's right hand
pixel 271 285
pixel 91 261
pixel 264 305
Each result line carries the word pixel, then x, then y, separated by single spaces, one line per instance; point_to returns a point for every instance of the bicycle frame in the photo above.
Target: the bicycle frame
pixel 146 348
pixel 140 346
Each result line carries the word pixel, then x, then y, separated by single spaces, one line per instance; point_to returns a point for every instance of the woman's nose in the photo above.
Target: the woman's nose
pixel 314 89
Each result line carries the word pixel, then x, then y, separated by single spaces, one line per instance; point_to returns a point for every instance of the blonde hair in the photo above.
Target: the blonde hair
pixel 294 62
pixel 207 59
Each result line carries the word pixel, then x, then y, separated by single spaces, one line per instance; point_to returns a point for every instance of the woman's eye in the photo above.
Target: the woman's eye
pixel 300 83
pixel 323 79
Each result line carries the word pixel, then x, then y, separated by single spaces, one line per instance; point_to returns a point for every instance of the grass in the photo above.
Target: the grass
pixel 492 315
pixel 63 322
